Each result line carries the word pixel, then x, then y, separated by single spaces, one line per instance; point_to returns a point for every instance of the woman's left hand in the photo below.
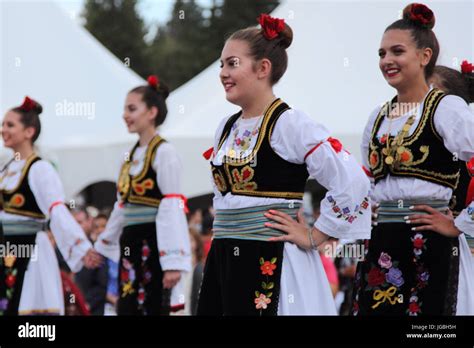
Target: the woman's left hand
pixel 171 278
pixel 434 221
pixel 296 230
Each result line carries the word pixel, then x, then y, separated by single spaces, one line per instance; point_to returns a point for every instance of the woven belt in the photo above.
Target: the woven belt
pixel 135 214
pixel 22 227
pixel 395 211
pixel 248 223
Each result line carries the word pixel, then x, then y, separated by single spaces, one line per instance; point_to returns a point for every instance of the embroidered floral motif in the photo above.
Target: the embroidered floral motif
pixel 17 200
pixel 418 244
pixel 267 268
pixel 10 281
pixel 180 252
pixel 220 182
pixel 140 188
pixel 384 281
pixel 262 299
pixel 146 276
pixel 242 179
pixel 374 159
pixel 470 212
pixel 344 213
pixel 127 277
pixel 9 260
pixel 385 260
pixel 422 275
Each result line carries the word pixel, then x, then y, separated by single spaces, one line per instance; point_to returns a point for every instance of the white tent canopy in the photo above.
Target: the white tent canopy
pixel 333 74
pixel 45 54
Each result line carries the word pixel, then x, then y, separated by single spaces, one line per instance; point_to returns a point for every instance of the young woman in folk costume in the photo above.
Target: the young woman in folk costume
pixel 261 159
pixel 31 194
pixel 147 230
pixel 416 259
pixel 460 83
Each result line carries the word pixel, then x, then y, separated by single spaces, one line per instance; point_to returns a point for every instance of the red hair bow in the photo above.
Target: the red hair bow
pixel 466 67
pixel 271 27
pixel 153 81
pixel 28 104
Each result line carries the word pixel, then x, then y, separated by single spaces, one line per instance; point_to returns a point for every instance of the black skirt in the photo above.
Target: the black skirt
pixel 12 271
pixel 407 272
pixel 140 275
pixel 241 277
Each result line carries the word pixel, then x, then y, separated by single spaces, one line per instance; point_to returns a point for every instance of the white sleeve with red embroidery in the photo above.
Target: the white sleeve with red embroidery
pixel 454 121
pixel 171 224
pixel 345 210
pixel 465 221
pixel 108 241
pixel 70 238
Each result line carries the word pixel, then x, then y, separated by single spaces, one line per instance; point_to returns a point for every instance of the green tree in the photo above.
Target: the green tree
pixel 190 41
pixel 117 25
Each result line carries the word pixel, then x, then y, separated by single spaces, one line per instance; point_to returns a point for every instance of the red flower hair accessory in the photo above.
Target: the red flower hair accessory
pixel 271 27
pixel 153 81
pixel 466 67
pixel 28 104
pixel 420 14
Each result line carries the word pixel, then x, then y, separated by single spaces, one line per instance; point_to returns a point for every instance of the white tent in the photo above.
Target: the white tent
pixel 45 54
pixel 333 73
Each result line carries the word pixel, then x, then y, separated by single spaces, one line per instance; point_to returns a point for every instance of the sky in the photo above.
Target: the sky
pixel 154 12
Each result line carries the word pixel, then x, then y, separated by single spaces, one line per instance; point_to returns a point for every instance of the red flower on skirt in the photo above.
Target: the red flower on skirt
pixel 375 277
pixel 414 307
pixel 418 243
pixel 268 268
pixel 141 295
pixel 10 280
pixel 124 275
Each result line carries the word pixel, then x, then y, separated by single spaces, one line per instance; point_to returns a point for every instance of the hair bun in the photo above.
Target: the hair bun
pixel 419 14
pixel 38 108
pixel 164 90
pixel 286 36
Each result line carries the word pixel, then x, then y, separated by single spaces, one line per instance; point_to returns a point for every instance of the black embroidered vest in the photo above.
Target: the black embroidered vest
pixel 263 172
pixel 141 188
pixel 21 200
pixel 458 200
pixel 421 155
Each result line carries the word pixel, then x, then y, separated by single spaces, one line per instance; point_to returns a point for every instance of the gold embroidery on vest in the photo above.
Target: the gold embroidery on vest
pixel 17 201
pixel 140 188
pixel 242 180
pixel 220 182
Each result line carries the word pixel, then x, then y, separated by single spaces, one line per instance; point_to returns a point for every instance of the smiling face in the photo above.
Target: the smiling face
pixel 137 116
pixel 239 74
pixel 401 62
pixel 14 132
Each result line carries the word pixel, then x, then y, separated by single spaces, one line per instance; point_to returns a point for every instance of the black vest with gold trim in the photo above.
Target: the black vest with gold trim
pixel 263 172
pixel 141 188
pixel 21 200
pixel 420 155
